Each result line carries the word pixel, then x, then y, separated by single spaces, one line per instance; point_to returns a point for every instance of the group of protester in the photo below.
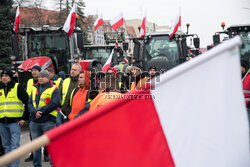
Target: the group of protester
pixel 49 100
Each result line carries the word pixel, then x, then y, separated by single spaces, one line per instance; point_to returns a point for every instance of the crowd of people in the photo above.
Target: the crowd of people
pixel 49 100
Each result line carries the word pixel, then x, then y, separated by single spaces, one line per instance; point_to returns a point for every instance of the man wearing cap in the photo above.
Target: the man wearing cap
pixel 13 112
pixel 43 103
pixel 34 71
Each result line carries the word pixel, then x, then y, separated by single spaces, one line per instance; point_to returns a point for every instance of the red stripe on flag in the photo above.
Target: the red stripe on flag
pixel 17 23
pixel 72 24
pixel 99 23
pixel 125 60
pixel 123 133
pixel 117 24
pixel 143 28
pixel 106 67
pixel 176 27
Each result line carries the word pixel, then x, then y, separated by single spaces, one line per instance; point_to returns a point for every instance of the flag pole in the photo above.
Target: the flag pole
pixel 24 150
pixel 245 75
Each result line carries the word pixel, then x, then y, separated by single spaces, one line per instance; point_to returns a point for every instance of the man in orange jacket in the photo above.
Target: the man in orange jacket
pixel 79 96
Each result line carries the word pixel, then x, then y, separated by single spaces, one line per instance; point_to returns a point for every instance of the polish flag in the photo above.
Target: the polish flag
pixel 69 25
pixel 116 44
pixel 107 65
pixel 160 127
pixel 17 21
pixel 143 27
pixel 177 23
pixel 125 60
pixel 201 123
pixel 98 22
pixel 117 21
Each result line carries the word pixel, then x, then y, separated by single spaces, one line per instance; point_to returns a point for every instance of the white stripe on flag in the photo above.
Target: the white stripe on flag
pixel 201 109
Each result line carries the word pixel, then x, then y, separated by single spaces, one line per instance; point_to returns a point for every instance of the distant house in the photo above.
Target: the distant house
pixel 131 32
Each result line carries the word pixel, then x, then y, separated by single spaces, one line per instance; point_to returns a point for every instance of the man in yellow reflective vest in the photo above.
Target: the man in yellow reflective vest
pixel 43 103
pixel 55 78
pixel 34 71
pixel 69 84
pixel 12 112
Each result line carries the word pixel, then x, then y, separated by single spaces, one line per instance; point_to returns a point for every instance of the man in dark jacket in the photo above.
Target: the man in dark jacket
pixel 12 112
pixel 43 103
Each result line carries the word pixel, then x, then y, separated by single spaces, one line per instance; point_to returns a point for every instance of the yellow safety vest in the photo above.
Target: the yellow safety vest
pixel 10 106
pixel 121 66
pixel 57 82
pixel 47 93
pixel 30 84
pixel 65 87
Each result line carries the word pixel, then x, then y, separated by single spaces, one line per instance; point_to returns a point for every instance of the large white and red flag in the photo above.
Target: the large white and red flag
pixel 194 117
pixel 69 25
pixel 117 21
pixel 143 27
pixel 176 24
pixel 98 22
pixel 17 20
pixel 107 65
pixel 200 123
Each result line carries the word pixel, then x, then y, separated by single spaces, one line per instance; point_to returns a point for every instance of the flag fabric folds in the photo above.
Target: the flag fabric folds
pixel 17 21
pixel 107 65
pixel 98 22
pixel 117 21
pixel 69 25
pixel 195 116
pixel 143 27
pixel 176 24
pixel 116 44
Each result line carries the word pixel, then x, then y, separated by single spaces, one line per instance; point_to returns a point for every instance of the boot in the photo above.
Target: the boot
pixel 46 156
pixel 30 158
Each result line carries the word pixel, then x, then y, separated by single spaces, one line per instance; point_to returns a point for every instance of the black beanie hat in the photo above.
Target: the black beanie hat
pixel 244 64
pixel 7 72
pixel 152 67
pixel 36 67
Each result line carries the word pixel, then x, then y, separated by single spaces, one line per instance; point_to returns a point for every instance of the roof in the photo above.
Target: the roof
pixel 107 26
pixel 36 17
pixel 131 31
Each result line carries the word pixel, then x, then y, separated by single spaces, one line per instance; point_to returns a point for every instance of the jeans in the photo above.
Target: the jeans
pixel 59 119
pixel 36 130
pixel 10 135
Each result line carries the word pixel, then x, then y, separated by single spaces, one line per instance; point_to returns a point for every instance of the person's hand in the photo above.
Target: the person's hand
pixel 21 122
pixel 38 114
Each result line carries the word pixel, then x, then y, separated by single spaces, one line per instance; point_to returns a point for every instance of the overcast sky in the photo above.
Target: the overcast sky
pixel 204 16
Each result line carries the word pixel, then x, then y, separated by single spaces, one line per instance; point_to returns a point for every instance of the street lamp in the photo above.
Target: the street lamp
pixel 223 24
pixel 139 28
pixel 187 27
